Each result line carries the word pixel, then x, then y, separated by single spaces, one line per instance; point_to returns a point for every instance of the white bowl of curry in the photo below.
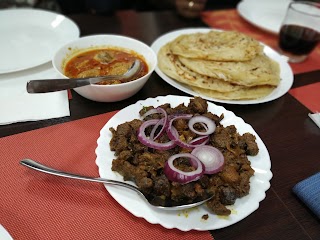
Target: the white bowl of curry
pixel 101 55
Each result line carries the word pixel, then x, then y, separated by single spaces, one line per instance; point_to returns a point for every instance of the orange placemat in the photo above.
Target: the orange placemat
pixel 231 20
pixel 308 95
pixel 34 205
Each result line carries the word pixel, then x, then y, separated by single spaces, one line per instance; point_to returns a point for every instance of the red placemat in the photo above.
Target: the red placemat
pixel 34 205
pixel 308 95
pixel 231 20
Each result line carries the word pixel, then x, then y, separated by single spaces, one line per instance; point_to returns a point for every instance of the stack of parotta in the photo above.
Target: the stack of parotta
pixel 222 65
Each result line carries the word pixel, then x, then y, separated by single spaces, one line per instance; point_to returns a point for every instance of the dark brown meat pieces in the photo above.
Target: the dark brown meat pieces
pixel 234 180
pixel 248 143
pixel 198 105
pixel 162 186
pixel 128 171
pixel 143 165
pixel 187 193
pixel 217 207
pixel 125 137
pixel 229 138
pixel 135 162
pixel 224 137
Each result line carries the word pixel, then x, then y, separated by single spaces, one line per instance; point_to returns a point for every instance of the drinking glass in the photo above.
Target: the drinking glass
pixel 300 30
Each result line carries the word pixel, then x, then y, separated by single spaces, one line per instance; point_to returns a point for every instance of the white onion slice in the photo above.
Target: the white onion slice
pixel 208 124
pixel 176 175
pixel 211 157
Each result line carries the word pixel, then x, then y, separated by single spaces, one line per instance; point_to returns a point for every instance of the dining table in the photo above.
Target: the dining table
pixel 38 206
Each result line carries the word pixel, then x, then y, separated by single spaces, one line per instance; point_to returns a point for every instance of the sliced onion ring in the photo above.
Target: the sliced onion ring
pixel 176 175
pixel 153 111
pixel 156 126
pixel 162 122
pixel 211 157
pixel 150 142
pixel 207 123
pixel 149 112
pixel 199 141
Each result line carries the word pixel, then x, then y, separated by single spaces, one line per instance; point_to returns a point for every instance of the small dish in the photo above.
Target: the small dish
pixel 106 93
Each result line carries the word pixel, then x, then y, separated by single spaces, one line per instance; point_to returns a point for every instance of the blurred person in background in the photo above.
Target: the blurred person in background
pixel 185 8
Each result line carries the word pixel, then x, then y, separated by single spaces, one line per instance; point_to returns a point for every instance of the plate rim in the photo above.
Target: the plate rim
pixel 242 7
pixel 47 13
pixel 155 218
pixel 285 70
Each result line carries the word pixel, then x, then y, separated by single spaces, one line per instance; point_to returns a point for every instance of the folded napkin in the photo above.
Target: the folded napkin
pixel 316 118
pixel 308 191
pixel 17 105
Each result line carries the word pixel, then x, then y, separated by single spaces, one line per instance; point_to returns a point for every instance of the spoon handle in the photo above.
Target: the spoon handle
pixel 42 168
pixel 53 85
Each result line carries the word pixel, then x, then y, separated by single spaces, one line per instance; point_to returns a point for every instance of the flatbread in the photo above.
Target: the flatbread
pixel 242 94
pixel 170 65
pixel 186 59
pixel 217 45
pixel 261 70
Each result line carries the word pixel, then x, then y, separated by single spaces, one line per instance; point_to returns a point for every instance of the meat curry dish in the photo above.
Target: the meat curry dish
pixel 145 166
pixel 103 62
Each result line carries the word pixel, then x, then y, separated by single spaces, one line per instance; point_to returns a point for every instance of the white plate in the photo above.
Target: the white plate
pixel 266 15
pixel 30 37
pixel 286 74
pixel 188 219
pixel 4 235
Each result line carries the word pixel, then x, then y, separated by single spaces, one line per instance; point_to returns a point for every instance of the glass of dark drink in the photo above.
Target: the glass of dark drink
pixel 300 30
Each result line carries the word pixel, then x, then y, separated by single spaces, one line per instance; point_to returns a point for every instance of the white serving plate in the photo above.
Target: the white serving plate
pixel 188 219
pixel 286 73
pixel 4 235
pixel 266 15
pixel 30 37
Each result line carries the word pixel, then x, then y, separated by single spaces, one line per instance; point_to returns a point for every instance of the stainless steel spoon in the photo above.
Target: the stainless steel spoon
pixel 53 85
pixel 154 202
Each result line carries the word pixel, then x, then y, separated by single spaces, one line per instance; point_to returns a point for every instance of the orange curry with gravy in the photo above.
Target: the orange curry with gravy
pixel 102 62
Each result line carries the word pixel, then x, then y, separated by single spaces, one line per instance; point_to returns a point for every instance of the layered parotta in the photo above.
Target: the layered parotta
pixel 222 65
pixel 217 45
pixel 260 70
pixel 170 65
pixel 241 94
